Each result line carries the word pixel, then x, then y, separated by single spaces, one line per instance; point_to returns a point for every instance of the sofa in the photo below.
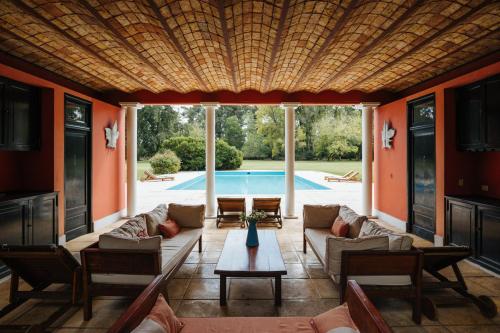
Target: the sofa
pixel 361 311
pixel 125 260
pixel 382 261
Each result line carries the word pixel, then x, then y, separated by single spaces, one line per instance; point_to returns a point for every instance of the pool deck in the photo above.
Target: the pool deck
pixel 151 194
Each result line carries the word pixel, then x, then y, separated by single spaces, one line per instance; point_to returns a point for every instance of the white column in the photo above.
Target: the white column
pixel 210 158
pixel 290 159
pixel 367 157
pixel 131 135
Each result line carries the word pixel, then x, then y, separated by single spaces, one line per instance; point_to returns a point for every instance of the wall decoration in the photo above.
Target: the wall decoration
pixel 112 135
pixel 387 135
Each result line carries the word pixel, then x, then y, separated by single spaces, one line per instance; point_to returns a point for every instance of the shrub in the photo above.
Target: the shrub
pixel 165 162
pixel 191 151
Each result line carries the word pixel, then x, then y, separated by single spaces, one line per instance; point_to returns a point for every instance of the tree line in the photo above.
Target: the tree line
pixel 322 132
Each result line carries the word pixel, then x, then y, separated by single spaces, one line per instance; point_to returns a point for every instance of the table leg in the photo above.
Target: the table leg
pixel 222 300
pixel 277 291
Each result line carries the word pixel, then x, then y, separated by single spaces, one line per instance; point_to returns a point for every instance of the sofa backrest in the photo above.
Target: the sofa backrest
pixel 155 217
pixel 187 216
pixel 396 241
pixel 320 216
pixel 132 235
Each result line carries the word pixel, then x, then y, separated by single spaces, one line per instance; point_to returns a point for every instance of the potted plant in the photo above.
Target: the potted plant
pixel 252 219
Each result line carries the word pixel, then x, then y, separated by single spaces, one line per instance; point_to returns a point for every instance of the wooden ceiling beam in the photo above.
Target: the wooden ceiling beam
pixel 425 42
pixel 30 11
pixel 122 40
pixel 276 44
pixel 377 41
pixel 334 33
pixel 177 44
pixel 229 54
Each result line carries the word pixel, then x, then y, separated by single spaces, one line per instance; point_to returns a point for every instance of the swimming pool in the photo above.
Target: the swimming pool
pixel 249 182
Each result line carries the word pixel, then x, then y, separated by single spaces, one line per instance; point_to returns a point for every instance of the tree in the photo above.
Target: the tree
pixel 271 125
pixel 254 147
pixel 233 132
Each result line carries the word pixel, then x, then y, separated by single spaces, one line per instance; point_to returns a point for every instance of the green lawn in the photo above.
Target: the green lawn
pixel 335 167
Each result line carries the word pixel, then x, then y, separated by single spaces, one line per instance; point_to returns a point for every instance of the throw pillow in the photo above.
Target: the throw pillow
pixel 164 316
pixel 354 220
pixel 187 216
pixel 320 216
pixel 155 217
pixel 396 241
pixel 169 229
pixel 340 228
pixel 335 320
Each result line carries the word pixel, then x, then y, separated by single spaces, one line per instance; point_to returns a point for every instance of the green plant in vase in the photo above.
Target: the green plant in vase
pixel 252 219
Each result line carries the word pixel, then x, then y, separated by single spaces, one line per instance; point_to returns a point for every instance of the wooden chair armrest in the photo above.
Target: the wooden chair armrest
pixel 118 261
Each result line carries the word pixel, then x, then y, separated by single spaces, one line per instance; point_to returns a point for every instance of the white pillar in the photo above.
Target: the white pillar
pixel 210 158
pixel 290 159
pixel 131 135
pixel 367 157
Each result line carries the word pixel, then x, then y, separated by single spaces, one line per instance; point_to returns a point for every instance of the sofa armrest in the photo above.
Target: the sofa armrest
pixel 320 216
pixel 113 261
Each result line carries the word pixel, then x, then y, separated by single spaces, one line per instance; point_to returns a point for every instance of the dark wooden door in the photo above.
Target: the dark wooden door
pixel 460 223
pixel 77 167
pixel 488 237
pixel 492 112
pixel 3 113
pixel 422 167
pixel 44 220
pixel 12 217
pixel 24 122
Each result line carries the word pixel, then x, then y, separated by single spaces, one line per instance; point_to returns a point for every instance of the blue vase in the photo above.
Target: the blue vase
pixel 252 237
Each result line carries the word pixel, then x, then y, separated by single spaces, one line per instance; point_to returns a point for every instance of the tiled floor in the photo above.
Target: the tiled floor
pixel 307 290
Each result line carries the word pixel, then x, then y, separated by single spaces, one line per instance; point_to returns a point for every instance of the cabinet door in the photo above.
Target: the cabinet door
pixel 12 217
pixel 488 249
pixel 3 114
pixel 24 117
pixel 43 220
pixel 469 116
pixel 492 112
pixel 460 220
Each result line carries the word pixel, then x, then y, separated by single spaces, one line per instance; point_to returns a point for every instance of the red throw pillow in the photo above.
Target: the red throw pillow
pixel 335 320
pixel 169 228
pixel 340 228
pixel 164 316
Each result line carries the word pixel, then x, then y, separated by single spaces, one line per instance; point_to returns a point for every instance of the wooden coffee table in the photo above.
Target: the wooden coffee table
pixel 238 260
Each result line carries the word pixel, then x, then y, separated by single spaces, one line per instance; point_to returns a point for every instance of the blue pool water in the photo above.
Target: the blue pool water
pixel 249 182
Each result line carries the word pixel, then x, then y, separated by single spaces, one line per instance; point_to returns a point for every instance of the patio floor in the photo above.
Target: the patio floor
pixel 306 289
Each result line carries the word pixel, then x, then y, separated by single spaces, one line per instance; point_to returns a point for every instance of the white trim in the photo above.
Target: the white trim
pixel 394 221
pixel 438 240
pixel 62 240
pixel 107 220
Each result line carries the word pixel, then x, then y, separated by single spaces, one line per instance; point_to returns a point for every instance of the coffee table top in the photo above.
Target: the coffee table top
pixel 239 260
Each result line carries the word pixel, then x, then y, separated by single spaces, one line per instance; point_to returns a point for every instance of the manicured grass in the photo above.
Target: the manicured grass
pixel 334 167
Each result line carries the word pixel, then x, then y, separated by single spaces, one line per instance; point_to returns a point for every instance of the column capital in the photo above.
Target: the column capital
pixel 131 104
pixel 369 104
pixel 290 105
pixel 210 104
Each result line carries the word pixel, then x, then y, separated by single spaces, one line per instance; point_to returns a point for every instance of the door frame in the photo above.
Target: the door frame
pixel 409 159
pixel 90 225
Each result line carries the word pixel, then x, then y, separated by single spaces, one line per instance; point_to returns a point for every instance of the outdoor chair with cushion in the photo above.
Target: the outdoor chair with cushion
pixel 344 176
pixel 270 206
pixel 41 266
pixel 348 177
pixel 230 210
pixel 151 177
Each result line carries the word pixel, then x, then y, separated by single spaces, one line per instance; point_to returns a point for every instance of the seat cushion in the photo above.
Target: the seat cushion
pixel 354 220
pixel 187 216
pixel 320 216
pixel 317 240
pixel 155 217
pixel 396 241
pixel 247 325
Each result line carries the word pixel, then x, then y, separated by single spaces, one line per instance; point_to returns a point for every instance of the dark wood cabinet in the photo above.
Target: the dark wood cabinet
pixel 475 222
pixel 478 115
pixel 20 110
pixel 28 219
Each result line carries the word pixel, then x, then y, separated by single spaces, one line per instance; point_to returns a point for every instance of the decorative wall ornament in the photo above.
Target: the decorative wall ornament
pixel 387 135
pixel 112 135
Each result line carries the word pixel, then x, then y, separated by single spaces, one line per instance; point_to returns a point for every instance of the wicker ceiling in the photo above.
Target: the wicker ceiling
pixel 288 45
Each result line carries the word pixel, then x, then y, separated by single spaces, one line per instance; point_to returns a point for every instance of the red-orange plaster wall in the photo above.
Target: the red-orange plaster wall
pixel 390 166
pixel 44 170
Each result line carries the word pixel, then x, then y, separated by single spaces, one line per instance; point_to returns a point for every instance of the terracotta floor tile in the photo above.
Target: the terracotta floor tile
pixel 177 288
pixel 295 271
pixel 316 271
pixel 203 289
pixel 474 329
pixel 210 257
pixel 298 288
pixel 205 271
pixel 306 307
pixel 325 288
pixel 290 258
pixel 104 314
pixel 243 289
pixel 250 308
pixel 186 271
pixel 199 308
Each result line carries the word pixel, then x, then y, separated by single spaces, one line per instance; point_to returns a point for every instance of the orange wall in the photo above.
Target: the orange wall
pixel 390 165
pixel 44 170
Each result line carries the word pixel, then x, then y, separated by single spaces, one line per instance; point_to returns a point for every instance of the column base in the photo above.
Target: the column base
pixel 291 217
pixel 210 217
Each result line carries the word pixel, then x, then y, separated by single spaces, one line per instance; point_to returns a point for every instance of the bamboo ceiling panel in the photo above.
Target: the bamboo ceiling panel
pixel 237 45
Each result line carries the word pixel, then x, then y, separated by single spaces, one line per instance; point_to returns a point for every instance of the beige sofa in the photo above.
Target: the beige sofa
pixel 128 258
pixel 375 257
